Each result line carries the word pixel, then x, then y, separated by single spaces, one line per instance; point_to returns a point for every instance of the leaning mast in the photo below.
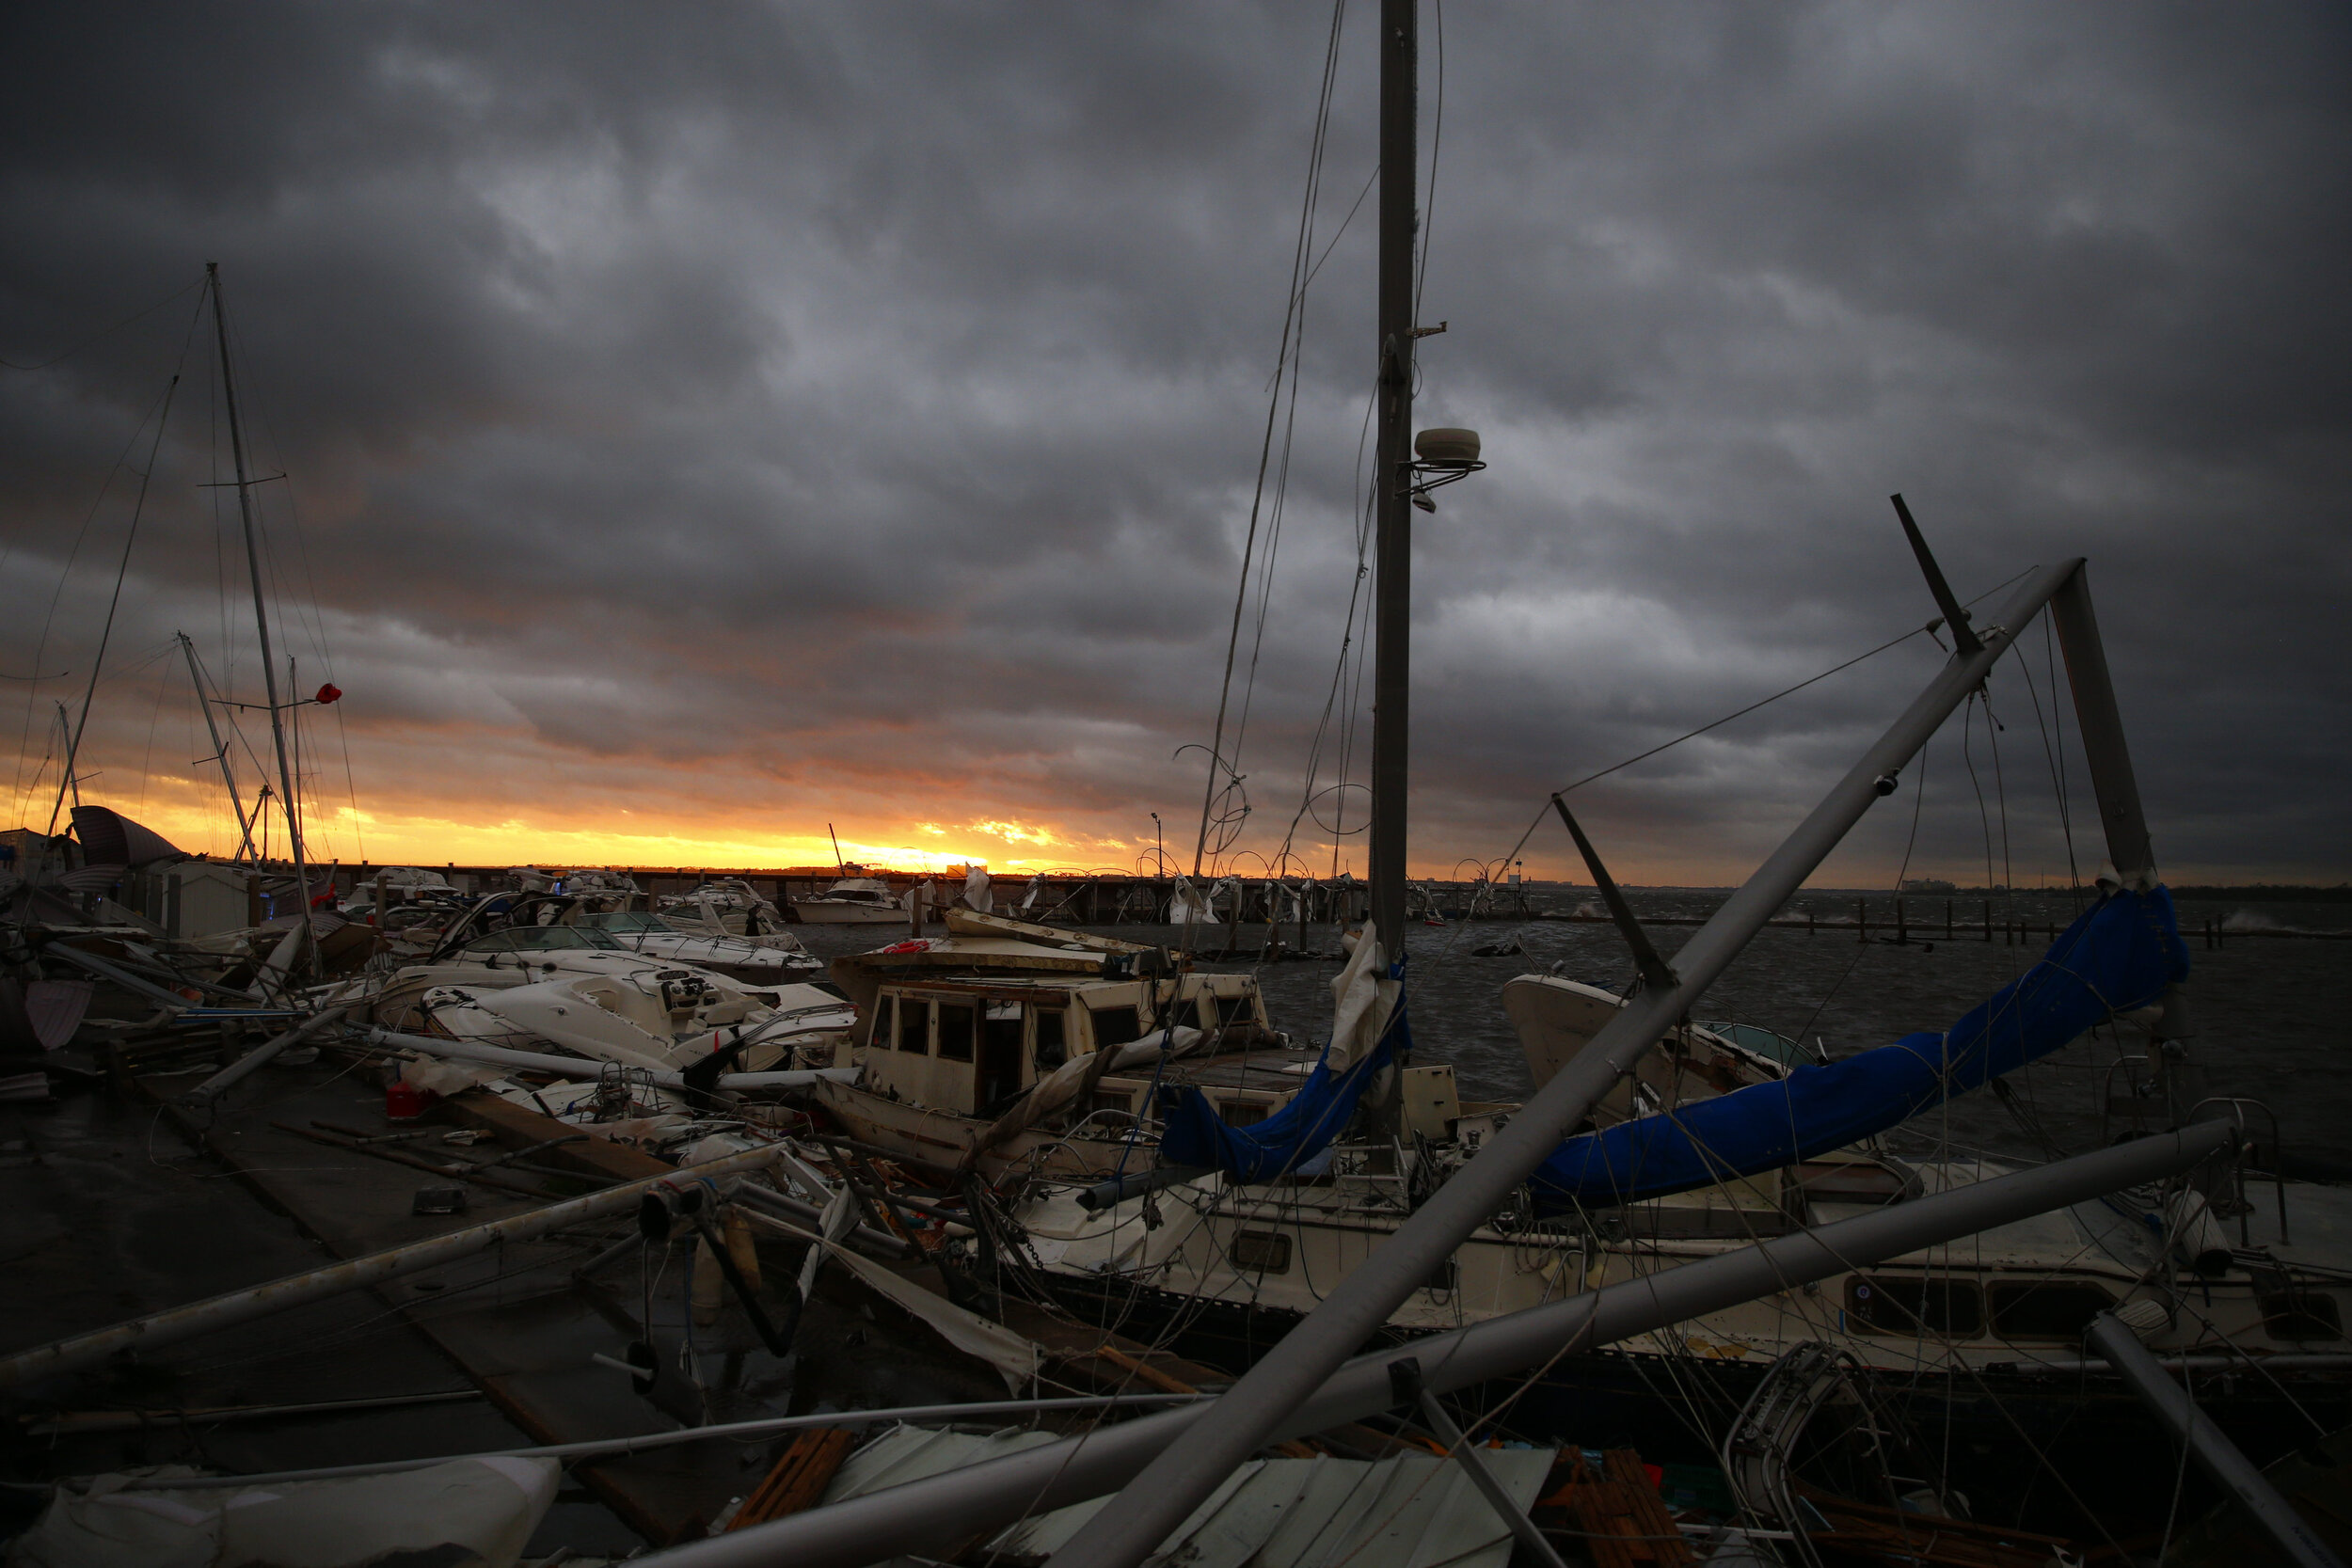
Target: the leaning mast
pixel 261 608
pixel 220 748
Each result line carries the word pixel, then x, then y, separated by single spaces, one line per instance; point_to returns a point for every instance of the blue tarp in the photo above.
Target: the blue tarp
pixel 1194 1134
pixel 2118 956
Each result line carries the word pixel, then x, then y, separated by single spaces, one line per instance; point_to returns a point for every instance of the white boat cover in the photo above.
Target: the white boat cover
pixel 1413 1511
pixel 480 1510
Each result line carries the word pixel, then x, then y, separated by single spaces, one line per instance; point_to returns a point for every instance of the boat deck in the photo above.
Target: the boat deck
pixel 1280 1070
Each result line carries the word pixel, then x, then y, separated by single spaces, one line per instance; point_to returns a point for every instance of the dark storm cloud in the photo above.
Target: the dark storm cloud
pixel 778 409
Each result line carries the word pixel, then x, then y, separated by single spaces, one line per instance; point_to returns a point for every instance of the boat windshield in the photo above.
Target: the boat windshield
pixel 540 939
pixel 625 920
pixel 1765 1043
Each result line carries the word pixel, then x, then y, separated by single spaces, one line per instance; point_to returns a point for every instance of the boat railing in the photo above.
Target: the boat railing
pixel 2236 1159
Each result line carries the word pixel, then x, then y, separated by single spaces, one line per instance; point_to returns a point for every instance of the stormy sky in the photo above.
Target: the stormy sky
pixel 704 423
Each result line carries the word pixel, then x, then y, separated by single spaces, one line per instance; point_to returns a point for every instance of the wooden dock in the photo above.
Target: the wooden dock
pixel 510 1320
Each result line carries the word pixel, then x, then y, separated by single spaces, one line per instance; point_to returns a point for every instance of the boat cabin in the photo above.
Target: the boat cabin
pixel 866 891
pixel 968 1045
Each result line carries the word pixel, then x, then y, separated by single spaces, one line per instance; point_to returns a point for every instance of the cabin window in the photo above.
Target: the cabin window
pixel 1260 1252
pixel 2301 1315
pixel 1052 1049
pixel 1446 1277
pixel 1889 1305
pixel 914 1026
pixel 2047 1308
pixel 1233 1010
pixel 1242 1113
pixel 1116 1026
pixel 1000 1051
pixel 955 1032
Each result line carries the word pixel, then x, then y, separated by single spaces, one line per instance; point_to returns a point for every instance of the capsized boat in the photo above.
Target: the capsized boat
pixel 529 969
pixel 665 1019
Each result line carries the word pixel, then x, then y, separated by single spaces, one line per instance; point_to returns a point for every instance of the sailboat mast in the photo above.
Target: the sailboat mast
pixel 220 748
pixel 98 662
pixel 261 608
pixel 1393 514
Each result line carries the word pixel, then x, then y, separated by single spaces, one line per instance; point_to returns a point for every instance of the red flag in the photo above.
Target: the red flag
pixel 328 692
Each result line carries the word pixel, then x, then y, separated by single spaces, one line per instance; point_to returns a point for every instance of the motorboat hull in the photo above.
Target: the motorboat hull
pixel 823 911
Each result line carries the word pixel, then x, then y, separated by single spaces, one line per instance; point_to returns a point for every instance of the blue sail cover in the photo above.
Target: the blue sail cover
pixel 1194 1134
pixel 2118 956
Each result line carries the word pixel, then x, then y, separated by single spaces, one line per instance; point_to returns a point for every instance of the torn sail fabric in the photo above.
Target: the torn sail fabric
pixel 1194 1134
pixel 2119 954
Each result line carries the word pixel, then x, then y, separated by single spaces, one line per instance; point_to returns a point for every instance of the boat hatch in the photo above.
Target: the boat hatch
pixel 1260 1252
pixel 1858 1182
pixel 2301 1315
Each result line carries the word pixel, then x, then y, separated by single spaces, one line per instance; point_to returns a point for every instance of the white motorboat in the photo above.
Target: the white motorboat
pixel 853 901
pixel 526 940
pixel 659 1018
pixel 773 959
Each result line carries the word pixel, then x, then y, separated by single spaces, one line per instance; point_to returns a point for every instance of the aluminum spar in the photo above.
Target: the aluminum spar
pixel 1192 1466
pixel 943 1511
pixel 236 1307
pixel 2145 1376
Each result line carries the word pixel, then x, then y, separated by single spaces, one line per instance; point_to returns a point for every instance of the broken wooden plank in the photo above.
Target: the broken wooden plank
pixel 801 1475
pixel 1612 1514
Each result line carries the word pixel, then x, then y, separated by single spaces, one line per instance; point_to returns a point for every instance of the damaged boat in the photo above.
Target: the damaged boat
pixel 1005 1047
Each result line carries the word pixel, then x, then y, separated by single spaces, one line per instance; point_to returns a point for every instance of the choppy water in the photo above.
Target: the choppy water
pixel 2269 1012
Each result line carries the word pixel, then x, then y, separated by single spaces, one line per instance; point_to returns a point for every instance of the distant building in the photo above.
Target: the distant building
pixel 35 855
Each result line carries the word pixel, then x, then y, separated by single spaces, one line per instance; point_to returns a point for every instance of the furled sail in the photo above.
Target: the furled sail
pixel 1367 1026
pixel 2118 956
